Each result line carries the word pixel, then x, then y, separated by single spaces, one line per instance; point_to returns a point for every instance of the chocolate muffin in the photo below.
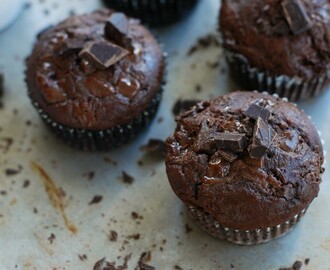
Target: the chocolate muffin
pixel 154 12
pixel 247 165
pixel 278 46
pixel 96 79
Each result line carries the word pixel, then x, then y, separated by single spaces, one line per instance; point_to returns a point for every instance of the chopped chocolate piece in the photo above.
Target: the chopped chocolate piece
pixel 103 54
pixel 306 261
pixel 155 147
pixel 231 141
pixel 177 267
pixel 26 183
pixel 1 84
pixel 263 135
pixel 281 28
pixel 70 46
pixel 82 257
pixel 182 105
pixel 228 156
pixel 128 179
pixel 116 30
pixel 10 172
pixel 96 199
pixel 295 15
pixel 255 111
pixel 113 236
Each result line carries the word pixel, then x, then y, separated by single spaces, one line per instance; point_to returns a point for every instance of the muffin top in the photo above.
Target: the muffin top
pixel 249 159
pixel 289 37
pixel 95 71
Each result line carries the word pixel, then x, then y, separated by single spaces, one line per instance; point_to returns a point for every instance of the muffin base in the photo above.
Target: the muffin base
pixel 242 237
pixel 154 12
pixel 295 89
pixel 102 140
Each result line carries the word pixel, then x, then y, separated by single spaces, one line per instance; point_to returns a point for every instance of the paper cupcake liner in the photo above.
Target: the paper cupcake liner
pixel 154 12
pixel 101 140
pixel 242 237
pixel 295 89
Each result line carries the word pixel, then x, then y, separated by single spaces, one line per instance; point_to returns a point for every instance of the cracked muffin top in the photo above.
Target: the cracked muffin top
pixel 248 159
pixel 95 71
pixel 289 37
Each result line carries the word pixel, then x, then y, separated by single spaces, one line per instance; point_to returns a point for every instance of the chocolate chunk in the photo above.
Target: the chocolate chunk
pixel 263 136
pixel 103 54
pixel 155 147
pixel 182 105
pixel 295 15
pixel 228 156
pixel 231 141
pixel 116 29
pixel 70 46
pixel 255 111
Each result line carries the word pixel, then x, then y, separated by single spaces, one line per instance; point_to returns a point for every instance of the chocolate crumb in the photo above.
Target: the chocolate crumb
pixel 113 236
pixel 89 175
pixel 11 172
pixel 82 257
pixel 232 266
pixel 134 236
pixel 182 105
pixel 140 162
pixel 142 265
pixel 3 192
pixel 307 261
pixel 198 88
pixel 297 265
pixel 35 210
pixel 26 183
pixel 188 228
pixel 203 43
pixel 7 143
pixel 177 267
pixel 96 199
pixel 135 215
pixel 155 147
pixel 51 238
pixel 110 160
pixel 127 179
pixel 104 265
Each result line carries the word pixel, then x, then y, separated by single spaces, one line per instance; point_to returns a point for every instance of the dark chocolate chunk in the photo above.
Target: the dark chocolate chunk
pixel 155 147
pixel 263 136
pixel 103 54
pixel 182 105
pixel 70 46
pixel 295 15
pixel 228 156
pixel 96 199
pixel 116 29
pixel 231 141
pixel 255 111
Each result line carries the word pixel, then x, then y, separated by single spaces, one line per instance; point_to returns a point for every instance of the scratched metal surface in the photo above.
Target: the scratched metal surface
pixel 30 215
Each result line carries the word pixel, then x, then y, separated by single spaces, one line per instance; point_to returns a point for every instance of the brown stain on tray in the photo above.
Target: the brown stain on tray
pixel 55 195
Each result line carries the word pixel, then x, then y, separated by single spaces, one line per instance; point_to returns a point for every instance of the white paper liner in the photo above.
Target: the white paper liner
pixel 242 237
pixel 294 89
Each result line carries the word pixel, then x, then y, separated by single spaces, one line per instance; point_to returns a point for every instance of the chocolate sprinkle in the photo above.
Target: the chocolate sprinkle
pixel 295 15
pixel 103 54
pixel 255 111
pixel 263 135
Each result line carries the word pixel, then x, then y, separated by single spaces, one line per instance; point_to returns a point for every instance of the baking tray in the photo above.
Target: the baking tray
pixel 47 220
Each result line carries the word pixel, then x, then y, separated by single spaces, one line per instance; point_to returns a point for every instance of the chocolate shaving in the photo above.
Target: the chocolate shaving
pixel 263 136
pixel 103 54
pixel 255 111
pixel 231 141
pixel 155 147
pixel 182 105
pixel 295 15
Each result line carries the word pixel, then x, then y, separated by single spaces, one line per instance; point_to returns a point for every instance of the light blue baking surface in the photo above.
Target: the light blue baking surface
pixel 24 235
